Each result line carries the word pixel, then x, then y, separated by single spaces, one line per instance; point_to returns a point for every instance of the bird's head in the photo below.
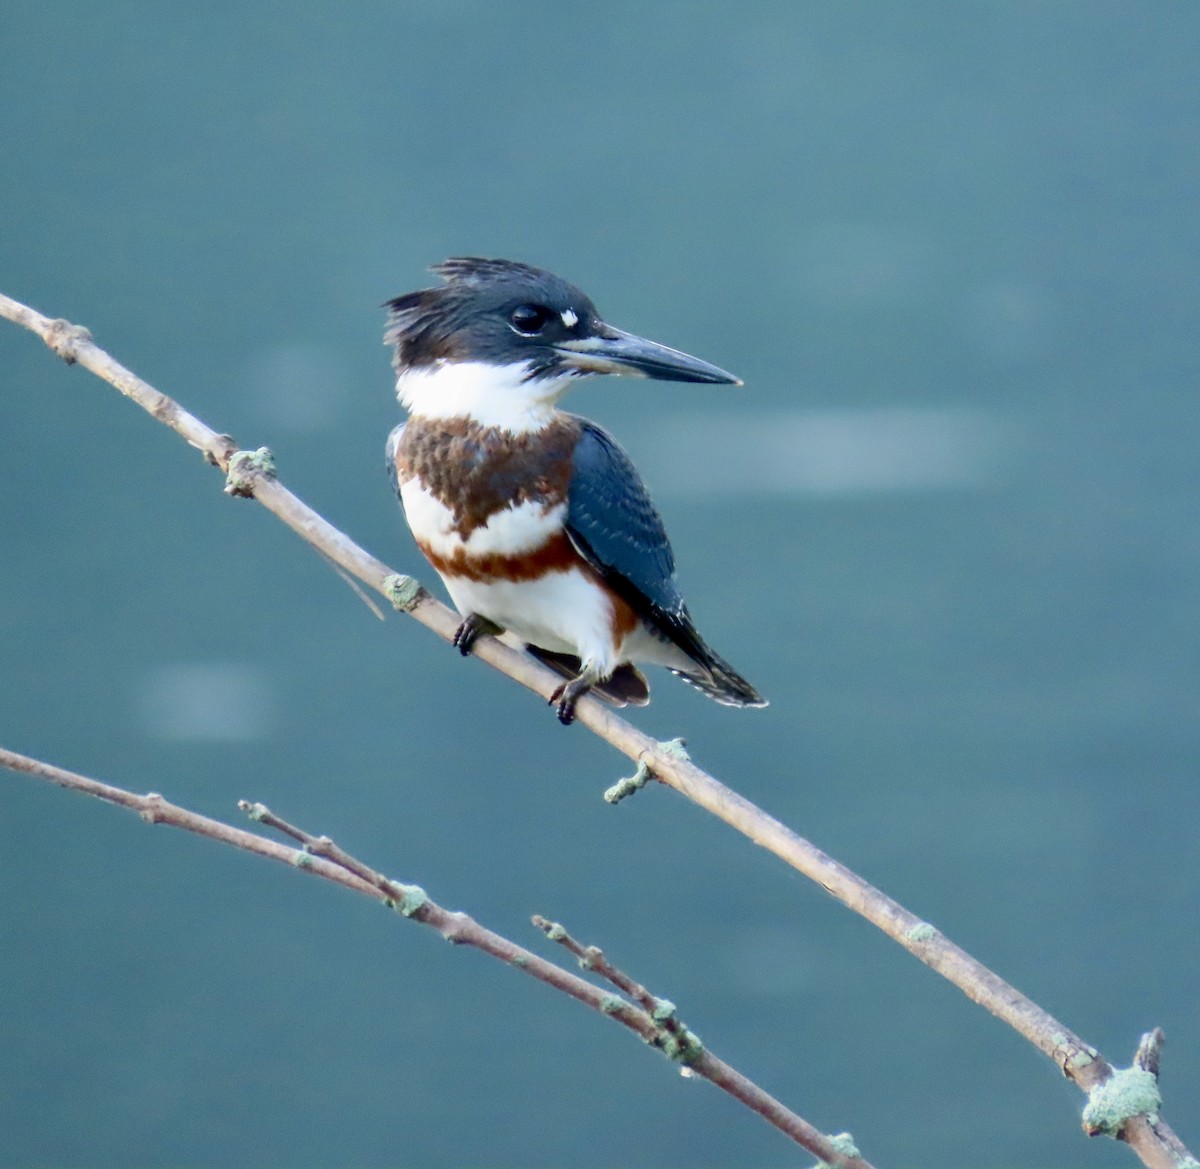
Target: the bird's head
pixel 514 327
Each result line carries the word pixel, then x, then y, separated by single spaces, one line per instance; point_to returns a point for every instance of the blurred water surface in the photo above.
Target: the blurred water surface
pixel 949 526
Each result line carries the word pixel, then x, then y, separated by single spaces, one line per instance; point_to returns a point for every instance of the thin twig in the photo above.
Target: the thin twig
pixel 676 1037
pixel 676 1040
pixel 319 856
pixel 1149 1051
pixel 1078 1060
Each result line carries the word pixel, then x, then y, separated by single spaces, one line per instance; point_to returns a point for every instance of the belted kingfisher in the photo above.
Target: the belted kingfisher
pixel 535 519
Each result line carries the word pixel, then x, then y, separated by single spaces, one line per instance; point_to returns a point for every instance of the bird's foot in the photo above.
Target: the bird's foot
pixel 564 698
pixel 470 630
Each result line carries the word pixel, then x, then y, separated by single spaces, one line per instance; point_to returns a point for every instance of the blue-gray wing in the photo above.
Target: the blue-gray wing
pixel 615 526
pixel 617 530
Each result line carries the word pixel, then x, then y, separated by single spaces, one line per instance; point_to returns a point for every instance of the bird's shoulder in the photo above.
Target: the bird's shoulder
pixel 615 526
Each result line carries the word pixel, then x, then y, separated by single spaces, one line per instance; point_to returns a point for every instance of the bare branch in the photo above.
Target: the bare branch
pixel 1079 1061
pixel 1149 1051
pixel 678 1042
pixel 319 856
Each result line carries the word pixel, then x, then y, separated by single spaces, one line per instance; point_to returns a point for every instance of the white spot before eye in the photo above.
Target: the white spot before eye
pixel 570 319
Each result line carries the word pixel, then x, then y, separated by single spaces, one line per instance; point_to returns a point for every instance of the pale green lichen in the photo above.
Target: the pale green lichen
pixel 628 785
pixel 65 339
pixel 613 1004
pixel 664 1011
pixel 403 591
pixel 1081 1059
pixel 682 1046
pixel 1127 1093
pixel 921 932
pixel 843 1143
pixel 675 749
pixel 410 900
pixel 520 961
pixel 301 859
pixel 672 748
pixel 555 932
pixel 245 467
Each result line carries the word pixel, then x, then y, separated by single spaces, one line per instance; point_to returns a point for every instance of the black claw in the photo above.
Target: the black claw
pixel 566 696
pixel 467 633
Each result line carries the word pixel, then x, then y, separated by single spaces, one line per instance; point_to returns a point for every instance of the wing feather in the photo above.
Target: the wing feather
pixel 617 529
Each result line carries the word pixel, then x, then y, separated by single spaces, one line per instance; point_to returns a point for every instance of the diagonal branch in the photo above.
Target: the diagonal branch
pixel 675 1039
pixel 319 856
pixel 252 475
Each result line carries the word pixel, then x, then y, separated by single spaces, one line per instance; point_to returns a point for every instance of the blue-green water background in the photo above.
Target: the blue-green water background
pixel 949 526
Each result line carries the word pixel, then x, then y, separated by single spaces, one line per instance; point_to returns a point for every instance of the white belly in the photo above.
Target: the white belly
pixel 566 612
pixel 562 611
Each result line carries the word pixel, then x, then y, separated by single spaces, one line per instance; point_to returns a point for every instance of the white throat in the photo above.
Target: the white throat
pixel 493 395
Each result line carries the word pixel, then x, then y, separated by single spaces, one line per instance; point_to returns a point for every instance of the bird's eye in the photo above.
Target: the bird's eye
pixel 530 319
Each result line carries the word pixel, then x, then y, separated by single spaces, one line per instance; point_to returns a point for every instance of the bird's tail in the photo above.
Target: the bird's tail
pixel 626 686
pixel 720 681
